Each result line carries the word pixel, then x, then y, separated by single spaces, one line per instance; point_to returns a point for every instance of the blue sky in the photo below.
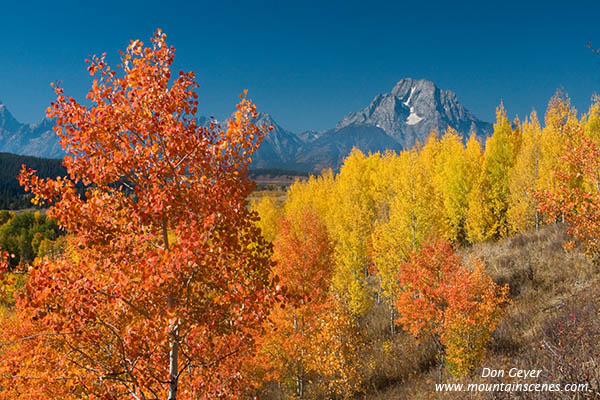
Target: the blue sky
pixel 310 63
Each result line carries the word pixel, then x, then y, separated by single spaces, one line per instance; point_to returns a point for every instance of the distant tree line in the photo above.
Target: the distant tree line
pixel 12 195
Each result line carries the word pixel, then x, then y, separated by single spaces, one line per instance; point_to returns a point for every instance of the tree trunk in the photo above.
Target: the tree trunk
pixel 299 386
pixel 173 373
pixel 173 354
pixel 414 230
pixel 442 354
pixel 441 371
pixel 299 380
pixel 392 325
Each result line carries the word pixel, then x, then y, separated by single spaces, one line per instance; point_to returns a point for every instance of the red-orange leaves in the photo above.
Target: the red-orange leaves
pixel 576 199
pixel 457 305
pixel 165 278
pixel 303 255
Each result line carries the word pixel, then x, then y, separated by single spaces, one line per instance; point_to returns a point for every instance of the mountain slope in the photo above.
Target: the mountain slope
pixel 278 148
pixel 330 149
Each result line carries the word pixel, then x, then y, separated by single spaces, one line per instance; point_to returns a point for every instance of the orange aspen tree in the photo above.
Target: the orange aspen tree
pixel 166 278
pixel 456 305
pixel 303 254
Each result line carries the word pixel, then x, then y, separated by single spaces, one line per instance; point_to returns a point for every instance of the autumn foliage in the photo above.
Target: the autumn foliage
pixel 303 260
pixel 166 279
pixel 458 305
pixel 576 198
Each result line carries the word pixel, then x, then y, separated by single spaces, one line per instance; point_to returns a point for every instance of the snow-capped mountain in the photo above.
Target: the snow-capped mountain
pixel 415 108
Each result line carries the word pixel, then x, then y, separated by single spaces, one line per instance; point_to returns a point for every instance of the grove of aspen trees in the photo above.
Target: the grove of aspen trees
pixel 395 222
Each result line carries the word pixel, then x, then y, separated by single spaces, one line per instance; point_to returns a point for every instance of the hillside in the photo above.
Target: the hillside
pixel 552 325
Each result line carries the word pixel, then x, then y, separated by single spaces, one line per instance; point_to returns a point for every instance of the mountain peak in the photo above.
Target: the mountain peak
pixel 413 109
pixel 264 118
pixel 7 121
pixel 406 85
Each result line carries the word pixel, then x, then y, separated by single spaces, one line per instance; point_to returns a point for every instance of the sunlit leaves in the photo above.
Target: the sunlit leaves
pixel 458 305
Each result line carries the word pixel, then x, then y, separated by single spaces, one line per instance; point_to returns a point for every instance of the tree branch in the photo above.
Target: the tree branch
pixel 593 49
pixel 37 335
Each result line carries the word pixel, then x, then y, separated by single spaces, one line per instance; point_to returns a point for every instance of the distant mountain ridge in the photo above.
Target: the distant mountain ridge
pixel 392 121
pixel 38 140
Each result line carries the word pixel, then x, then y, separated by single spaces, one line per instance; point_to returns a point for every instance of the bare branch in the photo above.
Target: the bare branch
pixel 593 49
pixel 129 303
pixel 37 335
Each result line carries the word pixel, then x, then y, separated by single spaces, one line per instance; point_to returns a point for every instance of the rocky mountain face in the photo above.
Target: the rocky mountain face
pixel 414 109
pixel 278 148
pixel 393 121
pixel 37 140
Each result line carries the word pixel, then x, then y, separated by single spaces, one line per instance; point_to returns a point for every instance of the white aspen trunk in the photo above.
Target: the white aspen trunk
pixel 414 230
pixel 299 377
pixel 173 378
pixel 392 326
pixel 173 354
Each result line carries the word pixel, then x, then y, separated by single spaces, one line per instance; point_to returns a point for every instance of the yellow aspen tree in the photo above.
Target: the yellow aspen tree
pixel 491 203
pixel 474 159
pixel 412 219
pixel 591 121
pixel 314 193
pixel 522 211
pixel 478 217
pixel 335 349
pixel 412 216
pixel 429 158
pixel 452 181
pixel 382 181
pixel 352 216
pixel 385 256
pixel 560 118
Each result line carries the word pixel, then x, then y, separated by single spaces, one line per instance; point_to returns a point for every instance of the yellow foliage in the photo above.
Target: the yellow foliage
pixel 488 203
pixel 269 212
pixel 522 212
pixel 336 353
pixel 352 217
